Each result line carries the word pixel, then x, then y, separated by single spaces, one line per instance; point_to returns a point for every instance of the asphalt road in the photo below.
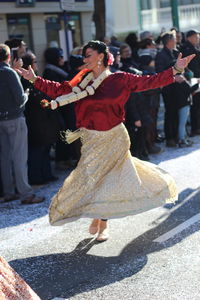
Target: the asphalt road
pixel 151 256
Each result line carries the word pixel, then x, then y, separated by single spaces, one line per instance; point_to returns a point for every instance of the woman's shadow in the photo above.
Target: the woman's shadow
pixel 67 274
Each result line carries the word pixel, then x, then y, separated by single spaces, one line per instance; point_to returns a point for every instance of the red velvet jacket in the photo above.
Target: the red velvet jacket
pixel 105 109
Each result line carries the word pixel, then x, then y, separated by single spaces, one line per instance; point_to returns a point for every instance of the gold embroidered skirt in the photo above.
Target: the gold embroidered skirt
pixel 108 182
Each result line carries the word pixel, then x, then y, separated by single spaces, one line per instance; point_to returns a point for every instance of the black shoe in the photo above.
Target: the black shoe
pixel 171 143
pixel 155 149
pixel 38 182
pixel 51 179
pixel 32 199
pixel 195 132
pixel 11 198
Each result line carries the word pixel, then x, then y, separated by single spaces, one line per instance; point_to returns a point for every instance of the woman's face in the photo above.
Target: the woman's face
pixel 126 52
pixel 91 58
pixel 61 61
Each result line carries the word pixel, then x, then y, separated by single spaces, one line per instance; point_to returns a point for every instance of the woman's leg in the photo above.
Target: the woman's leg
pixel 99 226
pixel 94 226
pixel 103 231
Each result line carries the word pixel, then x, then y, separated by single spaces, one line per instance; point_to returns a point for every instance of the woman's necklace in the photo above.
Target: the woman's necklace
pixel 82 90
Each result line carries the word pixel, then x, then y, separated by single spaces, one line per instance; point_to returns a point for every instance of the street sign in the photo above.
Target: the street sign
pixel 67 5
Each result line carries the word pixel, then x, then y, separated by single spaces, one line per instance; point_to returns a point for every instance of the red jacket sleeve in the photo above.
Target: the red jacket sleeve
pixel 139 83
pixel 51 88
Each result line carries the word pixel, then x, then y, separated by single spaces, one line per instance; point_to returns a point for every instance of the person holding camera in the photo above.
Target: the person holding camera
pixel 13 134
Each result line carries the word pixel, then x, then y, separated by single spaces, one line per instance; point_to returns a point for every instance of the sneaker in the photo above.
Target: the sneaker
pixel 160 138
pixel 190 142
pixel 184 143
pixel 32 199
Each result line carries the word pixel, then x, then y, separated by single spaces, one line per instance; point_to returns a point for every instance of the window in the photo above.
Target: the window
pixel 165 3
pixel 55 23
pixel 185 2
pixel 19 27
pixel 145 4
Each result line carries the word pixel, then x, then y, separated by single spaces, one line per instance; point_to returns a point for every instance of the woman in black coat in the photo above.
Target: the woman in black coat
pixel 183 92
pixel 65 154
pixel 43 130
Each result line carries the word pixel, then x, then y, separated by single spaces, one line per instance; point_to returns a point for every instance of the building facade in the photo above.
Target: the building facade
pixel 156 14
pixel 139 15
pixel 122 16
pixel 41 23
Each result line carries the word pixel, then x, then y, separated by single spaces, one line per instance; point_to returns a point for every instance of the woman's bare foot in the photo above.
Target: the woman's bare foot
pixel 103 231
pixel 94 226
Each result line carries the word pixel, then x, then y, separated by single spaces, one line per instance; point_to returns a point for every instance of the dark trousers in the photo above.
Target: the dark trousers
pixel 39 163
pixel 1 187
pixel 195 113
pixel 68 151
pixel 138 143
pixel 171 117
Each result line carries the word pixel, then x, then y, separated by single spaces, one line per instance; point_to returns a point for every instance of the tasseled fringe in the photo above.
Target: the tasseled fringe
pixel 69 136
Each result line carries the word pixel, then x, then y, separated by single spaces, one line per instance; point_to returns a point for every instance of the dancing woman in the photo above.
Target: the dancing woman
pixel 107 182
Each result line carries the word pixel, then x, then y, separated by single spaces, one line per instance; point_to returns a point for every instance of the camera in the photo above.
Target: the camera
pixel 14 53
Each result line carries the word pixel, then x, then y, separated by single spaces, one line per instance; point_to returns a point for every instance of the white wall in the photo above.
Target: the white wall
pixel 86 25
pixel 121 16
pixel 3 29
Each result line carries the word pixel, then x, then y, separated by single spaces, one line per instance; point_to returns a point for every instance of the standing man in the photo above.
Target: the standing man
pixel 165 59
pixel 13 134
pixel 190 46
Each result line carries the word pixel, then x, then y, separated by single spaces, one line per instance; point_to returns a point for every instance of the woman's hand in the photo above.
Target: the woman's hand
pixel 179 78
pixel 27 74
pixel 182 63
pixel 17 63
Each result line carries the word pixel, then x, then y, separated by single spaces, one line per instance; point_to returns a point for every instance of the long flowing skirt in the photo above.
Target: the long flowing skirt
pixel 108 182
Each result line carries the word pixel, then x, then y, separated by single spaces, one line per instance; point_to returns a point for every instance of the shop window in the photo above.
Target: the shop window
pixel 55 23
pixel 19 27
pixel 146 4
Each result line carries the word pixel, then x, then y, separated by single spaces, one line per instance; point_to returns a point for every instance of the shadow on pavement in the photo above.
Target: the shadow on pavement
pixel 68 274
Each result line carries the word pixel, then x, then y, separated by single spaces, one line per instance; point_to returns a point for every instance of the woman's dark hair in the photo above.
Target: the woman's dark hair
pixel 146 42
pixel 14 43
pixel 132 40
pixel 166 38
pixel 28 59
pixel 100 47
pixel 52 55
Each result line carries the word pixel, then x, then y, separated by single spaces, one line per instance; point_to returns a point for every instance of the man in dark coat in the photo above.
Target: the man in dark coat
pixel 190 46
pixel 165 59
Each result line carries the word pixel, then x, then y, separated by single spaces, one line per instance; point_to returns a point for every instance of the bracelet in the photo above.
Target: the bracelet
pixel 33 80
pixel 177 69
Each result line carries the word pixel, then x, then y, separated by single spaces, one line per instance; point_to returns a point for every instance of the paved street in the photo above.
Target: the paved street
pixel 151 256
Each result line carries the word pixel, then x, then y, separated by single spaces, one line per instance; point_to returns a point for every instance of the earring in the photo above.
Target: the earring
pixel 99 63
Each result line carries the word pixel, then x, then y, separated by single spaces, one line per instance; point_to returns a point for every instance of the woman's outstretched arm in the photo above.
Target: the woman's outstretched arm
pixel 137 83
pixel 51 88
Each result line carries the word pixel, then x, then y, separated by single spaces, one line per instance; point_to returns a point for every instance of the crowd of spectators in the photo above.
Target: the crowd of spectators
pixel 30 135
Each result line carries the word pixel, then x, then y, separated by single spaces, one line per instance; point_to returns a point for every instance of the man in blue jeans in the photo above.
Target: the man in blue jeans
pixel 13 134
